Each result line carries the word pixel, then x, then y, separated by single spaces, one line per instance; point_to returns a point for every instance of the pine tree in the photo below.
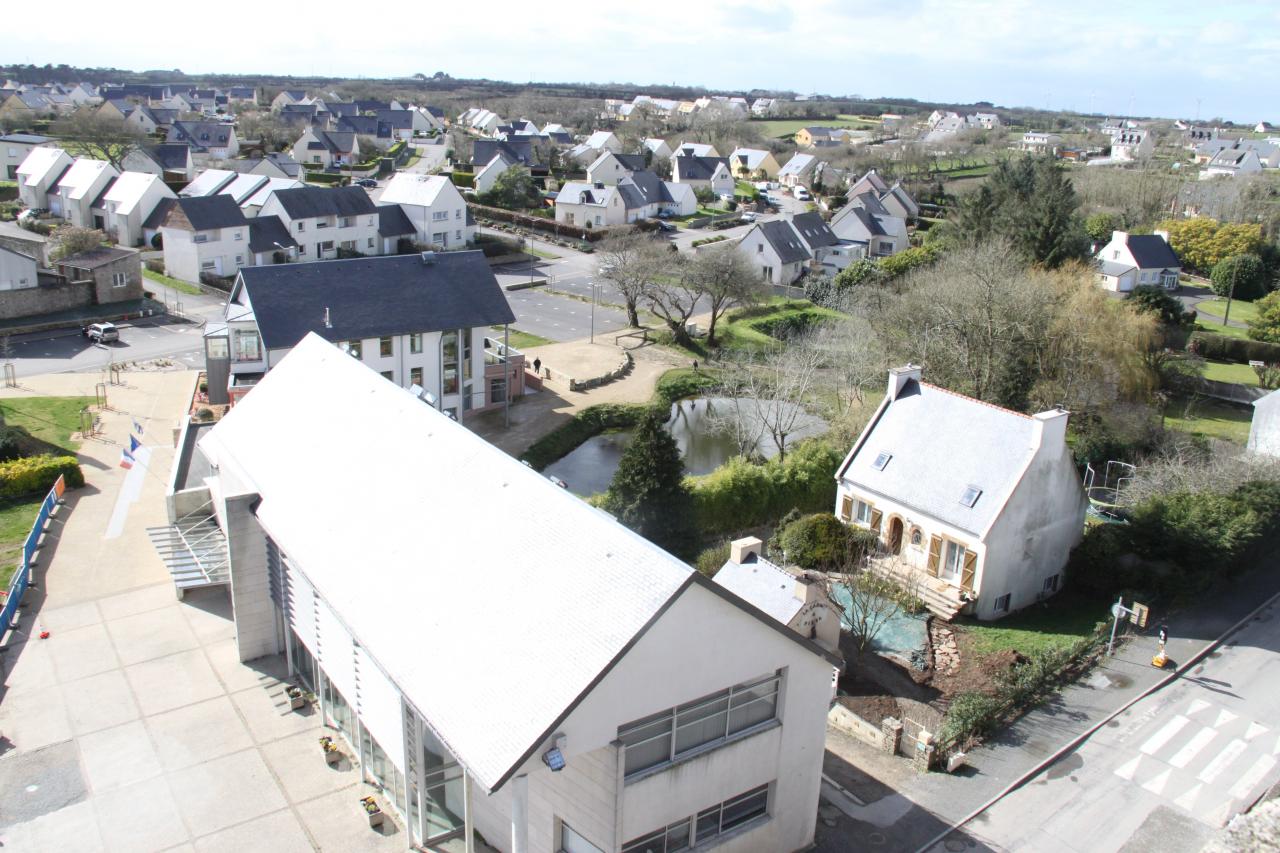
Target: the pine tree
pixel 648 492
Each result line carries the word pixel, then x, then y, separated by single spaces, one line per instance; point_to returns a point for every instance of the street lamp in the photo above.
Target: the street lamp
pixel 593 309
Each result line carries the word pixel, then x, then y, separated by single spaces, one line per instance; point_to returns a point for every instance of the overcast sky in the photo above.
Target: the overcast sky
pixel 1139 57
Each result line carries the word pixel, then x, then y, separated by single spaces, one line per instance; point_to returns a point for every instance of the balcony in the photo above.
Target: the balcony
pixel 495 352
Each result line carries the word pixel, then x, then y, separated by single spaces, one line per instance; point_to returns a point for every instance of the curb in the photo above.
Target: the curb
pixel 1087 733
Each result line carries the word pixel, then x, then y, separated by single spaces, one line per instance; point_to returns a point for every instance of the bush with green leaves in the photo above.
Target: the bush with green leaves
pixel 742 494
pixel 589 422
pixel 908 259
pixel 1266 326
pixel 822 541
pixel 1241 277
pixel 1164 305
pixel 35 474
pixel 1100 226
pixel 1227 348
pixel 712 559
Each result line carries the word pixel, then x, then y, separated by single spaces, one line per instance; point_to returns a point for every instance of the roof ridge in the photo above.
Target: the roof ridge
pixel 973 399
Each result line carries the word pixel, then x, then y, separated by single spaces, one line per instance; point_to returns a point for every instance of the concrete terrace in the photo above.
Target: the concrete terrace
pixel 134 726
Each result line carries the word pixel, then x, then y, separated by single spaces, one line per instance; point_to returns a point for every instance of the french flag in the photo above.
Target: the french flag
pixel 134 444
pixel 126 459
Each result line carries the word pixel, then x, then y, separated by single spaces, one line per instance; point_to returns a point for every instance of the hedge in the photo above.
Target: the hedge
pixel 35 474
pixel 788 325
pixel 324 178
pixel 705 240
pixel 499 214
pixel 740 494
pixel 1225 348
pixel 463 179
pixel 591 421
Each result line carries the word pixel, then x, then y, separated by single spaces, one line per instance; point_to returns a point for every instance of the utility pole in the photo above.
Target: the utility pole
pixel 1231 291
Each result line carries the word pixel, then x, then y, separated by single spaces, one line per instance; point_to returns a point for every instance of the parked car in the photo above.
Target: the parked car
pixel 101 333
pixel 366 182
pixel 802 194
pixel 667 227
pixel 749 216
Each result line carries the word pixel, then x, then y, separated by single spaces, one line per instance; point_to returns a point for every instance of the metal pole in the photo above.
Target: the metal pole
pixel 1115 621
pixel 506 360
pixel 593 312
pixel 468 819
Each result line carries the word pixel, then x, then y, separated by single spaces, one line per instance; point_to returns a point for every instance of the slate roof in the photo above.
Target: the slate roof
pixel 815 230
pixel 785 242
pixel 201 134
pixel 367 125
pixel 868 221
pixel 335 141
pixel 393 221
pixel 266 231
pixel 942 443
pixel 374 297
pixel 95 258
pixel 517 149
pixel 159 213
pixel 211 211
pixel 26 138
pixel 1151 251
pixel 308 202
pixel 170 155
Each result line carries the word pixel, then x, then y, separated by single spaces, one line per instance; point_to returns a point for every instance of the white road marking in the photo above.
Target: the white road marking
pixel 1183 756
pixel 1197 705
pixel 1129 769
pixel 1163 736
pixel 1224 716
pixel 1188 799
pixel 1255 729
pixel 1252 777
pixel 1222 760
pixel 1156 785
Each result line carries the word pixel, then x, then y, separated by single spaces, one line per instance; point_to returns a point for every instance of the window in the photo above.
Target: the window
pixel 666 736
pixel 389 375
pixel 497 390
pixel 955 558
pixel 386 348
pixel 216 348
pixel 201 238
pixel 767 272
pixel 344 222
pixel 457 235
pixel 247 346
pixel 438 238
pixel 119 279
pixel 326 246
pixel 759 248
pixel 970 496
pixel 208 265
pixel 415 376
pixel 457 213
pixel 239 260
pixel 917 538
pixel 449 362
pixel 1051 583
pixel 706 825
pixel 438 215
pixel 302 226
pixel 369 243
pixel 354 348
pixel 238 235
pixel 321 223
pixel 1002 603
pixel 881 460
pixel 572 842
pixel 863 514
pixel 415 344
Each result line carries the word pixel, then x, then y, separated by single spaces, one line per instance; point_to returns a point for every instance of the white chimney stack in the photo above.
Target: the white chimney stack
pixel 1050 430
pixel 742 550
pixel 899 376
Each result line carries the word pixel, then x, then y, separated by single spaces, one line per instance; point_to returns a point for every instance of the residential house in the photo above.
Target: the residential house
pixel 823 244
pixel 242 95
pixel 326 148
pixel 1194 137
pixel 1232 163
pixel 1264 429
pixel 393 227
pixel 798 171
pixel 817 137
pixel 253 203
pixel 1038 142
pixel 129 202
pixel 91 282
pixel 211 139
pixel 753 164
pixel 151 120
pixel 39 173
pixel 208 182
pixel 76 191
pixel 776 249
pixel 1129 261
pixel 703 173
pixel 171 161
pixel 205 235
pixel 480 121
pixel 14 148
pixel 113 274
pixel 517 150
pixel 25 107
pixel 327 221
pixel 287 97
pixel 18 271
pixel 870 228
pixel 695 149
pixel 985 121
pixel 976 506
pixel 419 320
pixel 14 236
pixel 658 148
pixel 943 127
pixel 793 597
pixel 1130 145
pixel 765 107
pixel 115 109
pixel 639 195
pixel 594 146
pixel 606 753
pixel 896 200
pixel 609 168
pixel 278 164
pixel 487 177
pixel 434 206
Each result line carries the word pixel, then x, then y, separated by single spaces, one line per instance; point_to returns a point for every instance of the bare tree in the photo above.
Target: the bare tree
pixel 99 137
pixel 725 276
pixel 673 296
pixel 734 417
pixel 776 384
pixel 853 359
pixel 874 598
pixel 632 262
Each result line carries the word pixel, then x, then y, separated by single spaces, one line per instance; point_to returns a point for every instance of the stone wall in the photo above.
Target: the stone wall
pixel 46 299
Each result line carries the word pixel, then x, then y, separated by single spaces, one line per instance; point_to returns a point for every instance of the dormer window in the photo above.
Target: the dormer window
pixel 881 460
pixel 970 496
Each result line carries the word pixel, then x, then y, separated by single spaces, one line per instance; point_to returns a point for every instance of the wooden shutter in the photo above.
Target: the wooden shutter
pixel 846 508
pixel 935 554
pixel 876 516
pixel 969 570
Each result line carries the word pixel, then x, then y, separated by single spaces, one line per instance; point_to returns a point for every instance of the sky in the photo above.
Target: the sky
pixel 1173 59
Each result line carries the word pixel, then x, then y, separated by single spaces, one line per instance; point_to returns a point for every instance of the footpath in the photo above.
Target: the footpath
pixel 894 808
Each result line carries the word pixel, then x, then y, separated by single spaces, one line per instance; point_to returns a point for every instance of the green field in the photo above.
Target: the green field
pixel 16 518
pixel 1219 329
pixel 50 420
pixel 1209 418
pixel 787 127
pixel 1058 622
pixel 1227 371
pixel 1243 312
pixel 518 339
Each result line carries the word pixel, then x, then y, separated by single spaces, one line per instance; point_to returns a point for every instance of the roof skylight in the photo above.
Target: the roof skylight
pixel 970 496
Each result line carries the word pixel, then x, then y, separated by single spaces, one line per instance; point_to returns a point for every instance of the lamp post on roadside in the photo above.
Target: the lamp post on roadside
pixel 593 309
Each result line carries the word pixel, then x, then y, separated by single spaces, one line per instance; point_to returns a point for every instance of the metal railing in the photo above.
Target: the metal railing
pixel 22 577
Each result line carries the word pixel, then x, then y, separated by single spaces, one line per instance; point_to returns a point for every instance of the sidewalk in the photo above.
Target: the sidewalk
pixel 133 726
pixel 904 809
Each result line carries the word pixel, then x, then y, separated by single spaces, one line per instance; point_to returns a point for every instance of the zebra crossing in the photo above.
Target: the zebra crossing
pixel 1207 760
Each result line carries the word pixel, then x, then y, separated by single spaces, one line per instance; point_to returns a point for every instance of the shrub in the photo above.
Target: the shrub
pixel 591 421
pixel 821 541
pixel 1242 277
pixel 9 445
pixel 705 240
pixel 679 384
pixel 712 559
pixel 788 325
pixel 1100 225
pixel 154 264
pixel 908 259
pixel 1267 325
pixel 35 474
pixel 1160 302
pixel 1226 348
pixel 970 715
pixel 741 494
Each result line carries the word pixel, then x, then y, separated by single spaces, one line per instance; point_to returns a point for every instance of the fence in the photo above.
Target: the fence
pixel 22 577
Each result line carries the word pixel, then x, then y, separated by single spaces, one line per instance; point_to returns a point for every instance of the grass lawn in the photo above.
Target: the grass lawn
pixel 1241 311
pixel 1227 371
pixel 1219 329
pixel 180 286
pixel 1209 418
pixel 545 255
pixel 1059 621
pixel 520 340
pixel 735 330
pixel 48 419
pixel 16 518
pixel 787 127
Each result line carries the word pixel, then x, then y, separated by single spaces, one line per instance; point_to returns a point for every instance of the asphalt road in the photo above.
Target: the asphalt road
pixel 1166 774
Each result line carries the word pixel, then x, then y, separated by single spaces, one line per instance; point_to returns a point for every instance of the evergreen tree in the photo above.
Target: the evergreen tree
pixel 648 492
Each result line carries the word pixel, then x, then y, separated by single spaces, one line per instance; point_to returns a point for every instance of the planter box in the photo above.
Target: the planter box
pixel 297 703
pixel 375 819
pixel 332 757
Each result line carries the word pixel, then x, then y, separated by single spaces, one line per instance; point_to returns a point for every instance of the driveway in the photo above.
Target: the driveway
pixel 133 726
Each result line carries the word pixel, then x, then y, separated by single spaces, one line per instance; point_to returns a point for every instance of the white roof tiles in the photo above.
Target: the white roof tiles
pixel 414 189
pixel 763 584
pixel 37 164
pixel 208 182
pixel 491 597
pixel 260 196
pixel 129 189
pixel 243 186
pixel 82 176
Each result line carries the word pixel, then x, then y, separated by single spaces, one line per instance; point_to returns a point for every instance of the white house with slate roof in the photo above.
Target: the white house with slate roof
pixel 703 173
pixel 980 505
pixel 638 195
pixel 607 698
pixel 129 202
pixel 776 250
pixel 324 220
pixel 206 234
pixel 434 206
pixel 76 191
pixel 752 163
pixel 795 598
pixel 1134 260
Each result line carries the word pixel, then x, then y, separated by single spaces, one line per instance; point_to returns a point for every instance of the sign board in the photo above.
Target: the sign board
pixel 1138 615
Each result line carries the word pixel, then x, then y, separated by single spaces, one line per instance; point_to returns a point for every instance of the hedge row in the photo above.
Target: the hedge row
pixel 591 421
pixel 788 325
pixel 324 178
pixel 560 228
pixel 463 179
pixel 1225 348
pixel 35 474
pixel 740 494
pixel 705 240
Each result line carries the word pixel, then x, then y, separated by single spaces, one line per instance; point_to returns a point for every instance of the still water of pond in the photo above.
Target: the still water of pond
pixel 589 468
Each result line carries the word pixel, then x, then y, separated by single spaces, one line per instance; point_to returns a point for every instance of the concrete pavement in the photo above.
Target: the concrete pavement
pixel 134 727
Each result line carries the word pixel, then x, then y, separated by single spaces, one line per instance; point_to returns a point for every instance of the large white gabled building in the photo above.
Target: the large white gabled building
pixel 501 656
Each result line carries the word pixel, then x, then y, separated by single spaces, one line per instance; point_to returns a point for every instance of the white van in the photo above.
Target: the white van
pixel 802 194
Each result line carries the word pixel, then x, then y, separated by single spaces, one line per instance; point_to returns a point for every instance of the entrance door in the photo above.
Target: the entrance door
pixel 895 536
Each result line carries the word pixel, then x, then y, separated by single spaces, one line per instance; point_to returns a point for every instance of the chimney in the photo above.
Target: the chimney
pixel 898 377
pixel 1122 236
pixel 1050 432
pixel 807 589
pixel 745 550
pixel 1163 235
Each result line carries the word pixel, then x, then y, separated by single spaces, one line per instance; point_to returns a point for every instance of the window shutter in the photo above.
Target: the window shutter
pixel 935 554
pixel 846 508
pixel 875 519
pixel 970 569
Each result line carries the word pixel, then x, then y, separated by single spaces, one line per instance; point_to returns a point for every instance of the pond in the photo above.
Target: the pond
pixel 588 469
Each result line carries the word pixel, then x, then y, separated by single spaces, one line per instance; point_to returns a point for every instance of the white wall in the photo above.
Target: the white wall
pixel 183 257
pixel 17 271
pixel 1264 430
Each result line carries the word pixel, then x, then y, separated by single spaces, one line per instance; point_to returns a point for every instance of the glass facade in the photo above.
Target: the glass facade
pixel 442 798
pixel 340 714
pixel 449 362
pixel 706 825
